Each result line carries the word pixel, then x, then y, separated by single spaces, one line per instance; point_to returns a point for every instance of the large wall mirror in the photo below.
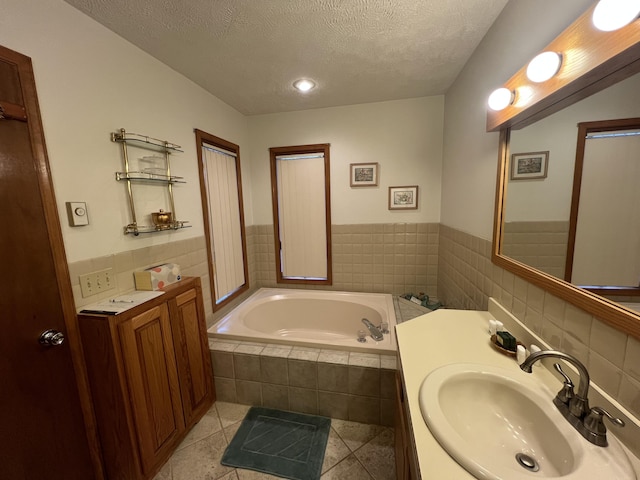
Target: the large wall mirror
pixel 567 197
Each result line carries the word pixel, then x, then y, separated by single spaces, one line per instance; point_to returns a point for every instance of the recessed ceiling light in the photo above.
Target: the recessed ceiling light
pixel 303 85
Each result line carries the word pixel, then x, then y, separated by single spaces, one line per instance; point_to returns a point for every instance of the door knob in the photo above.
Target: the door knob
pixel 51 338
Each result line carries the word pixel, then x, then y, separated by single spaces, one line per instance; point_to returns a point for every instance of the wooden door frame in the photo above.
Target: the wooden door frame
pixel 36 133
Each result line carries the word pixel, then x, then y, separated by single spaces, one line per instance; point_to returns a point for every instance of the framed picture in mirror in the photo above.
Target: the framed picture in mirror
pixel 529 166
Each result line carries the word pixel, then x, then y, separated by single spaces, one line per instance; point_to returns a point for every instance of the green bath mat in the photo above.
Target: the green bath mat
pixel 285 444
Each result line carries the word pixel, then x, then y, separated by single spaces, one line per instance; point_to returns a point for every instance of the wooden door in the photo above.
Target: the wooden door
pixel 46 421
pixel 192 354
pixel 149 361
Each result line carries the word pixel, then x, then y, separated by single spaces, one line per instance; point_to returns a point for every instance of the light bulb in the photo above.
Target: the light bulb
pixel 304 85
pixel 500 99
pixel 610 15
pixel 544 66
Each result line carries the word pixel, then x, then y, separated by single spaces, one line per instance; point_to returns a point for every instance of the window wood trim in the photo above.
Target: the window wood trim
pixel 274 152
pixel 204 139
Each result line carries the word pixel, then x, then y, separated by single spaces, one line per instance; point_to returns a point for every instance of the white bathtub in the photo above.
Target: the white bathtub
pixel 322 319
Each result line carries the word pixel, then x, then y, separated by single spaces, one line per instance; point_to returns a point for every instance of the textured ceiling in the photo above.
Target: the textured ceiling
pixel 249 52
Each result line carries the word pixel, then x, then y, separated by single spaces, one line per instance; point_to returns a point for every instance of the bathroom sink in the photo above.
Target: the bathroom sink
pixel 501 424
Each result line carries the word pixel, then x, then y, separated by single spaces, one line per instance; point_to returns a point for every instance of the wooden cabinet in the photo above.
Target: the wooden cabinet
pixel 406 466
pixel 151 378
pixel 192 354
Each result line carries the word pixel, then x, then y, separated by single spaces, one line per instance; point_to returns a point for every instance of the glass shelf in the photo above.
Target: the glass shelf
pixel 138 229
pixel 144 141
pixel 149 177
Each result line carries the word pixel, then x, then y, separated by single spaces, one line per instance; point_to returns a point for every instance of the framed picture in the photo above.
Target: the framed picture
pixel 364 174
pixel 403 198
pixel 531 165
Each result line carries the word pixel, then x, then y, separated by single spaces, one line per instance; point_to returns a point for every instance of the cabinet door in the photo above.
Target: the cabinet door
pixel 192 354
pixel 149 360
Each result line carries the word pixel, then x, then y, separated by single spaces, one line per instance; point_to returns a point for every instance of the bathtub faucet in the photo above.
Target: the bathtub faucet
pixel 375 332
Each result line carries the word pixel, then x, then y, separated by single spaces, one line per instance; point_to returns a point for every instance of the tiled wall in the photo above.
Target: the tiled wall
pixel 467 278
pixel 338 384
pixel 190 254
pixel 392 258
pixel 542 245
pixel 401 258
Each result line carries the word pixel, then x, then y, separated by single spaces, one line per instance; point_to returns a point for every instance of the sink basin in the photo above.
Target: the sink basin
pixel 501 424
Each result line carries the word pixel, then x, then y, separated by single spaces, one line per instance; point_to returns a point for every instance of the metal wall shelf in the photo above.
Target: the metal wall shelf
pixel 144 141
pixel 153 176
pixel 138 229
pixel 148 177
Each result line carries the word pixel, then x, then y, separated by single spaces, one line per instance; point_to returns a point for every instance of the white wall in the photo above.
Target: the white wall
pixel 91 82
pixel 403 136
pixel 470 154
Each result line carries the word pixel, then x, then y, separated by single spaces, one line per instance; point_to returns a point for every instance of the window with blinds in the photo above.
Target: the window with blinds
pixel 302 215
pixel 221 186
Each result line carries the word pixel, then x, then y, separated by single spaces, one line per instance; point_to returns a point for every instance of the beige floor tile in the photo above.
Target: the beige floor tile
pixel 198 456
pixel 378 456
pixel 164 473
pixel 231 430
pixel 229 476
pixel 350 468
pixel 208 425
pixel 336 451
pixel 230 413
pixel 244 474
pixel 354 434
pixel 201 460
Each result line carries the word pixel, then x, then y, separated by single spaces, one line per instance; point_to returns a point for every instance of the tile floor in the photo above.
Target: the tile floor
pixel 355 451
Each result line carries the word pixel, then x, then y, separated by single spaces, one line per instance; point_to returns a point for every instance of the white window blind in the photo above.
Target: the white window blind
pixel 607 249
pixel 302 215
pixel 224 221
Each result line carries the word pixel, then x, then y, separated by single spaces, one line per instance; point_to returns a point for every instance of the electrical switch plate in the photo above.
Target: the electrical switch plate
pixel 77 213
pixel 96 282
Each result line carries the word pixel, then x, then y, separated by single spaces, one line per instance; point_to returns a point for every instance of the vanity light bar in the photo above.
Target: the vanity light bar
pixel 500 99
pixel 611 15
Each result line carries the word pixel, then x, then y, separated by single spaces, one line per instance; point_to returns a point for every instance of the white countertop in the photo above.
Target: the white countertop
pixel 441 338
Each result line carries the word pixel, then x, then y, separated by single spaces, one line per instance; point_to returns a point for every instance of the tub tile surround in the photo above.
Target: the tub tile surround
pixel 467 279
pixel 343 385
pixel 392 258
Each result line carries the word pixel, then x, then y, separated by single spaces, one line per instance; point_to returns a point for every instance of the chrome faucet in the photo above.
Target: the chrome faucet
pixel 375 332
pixel 575 407
pixel 579 403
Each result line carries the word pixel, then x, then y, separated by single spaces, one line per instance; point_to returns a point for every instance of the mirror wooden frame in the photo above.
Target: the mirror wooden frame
pixel 592 60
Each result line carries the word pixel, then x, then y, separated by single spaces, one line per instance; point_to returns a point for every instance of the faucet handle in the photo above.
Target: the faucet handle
pixel 594 420
pixel 594 428
pixel 566 394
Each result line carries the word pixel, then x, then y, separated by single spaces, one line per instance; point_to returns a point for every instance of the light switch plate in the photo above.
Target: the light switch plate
pixel 77 213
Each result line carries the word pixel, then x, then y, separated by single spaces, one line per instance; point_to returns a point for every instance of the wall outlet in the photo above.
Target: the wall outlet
pixel 97 282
